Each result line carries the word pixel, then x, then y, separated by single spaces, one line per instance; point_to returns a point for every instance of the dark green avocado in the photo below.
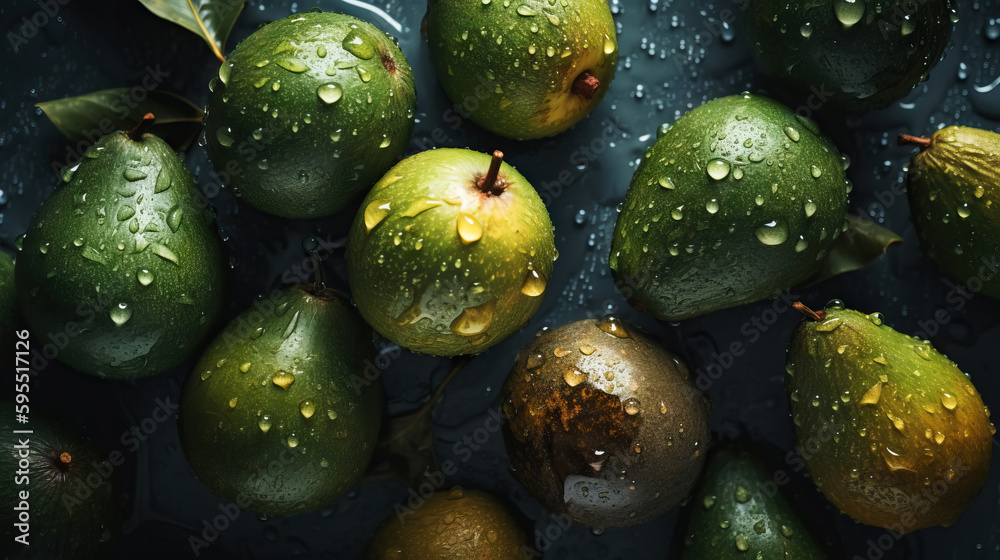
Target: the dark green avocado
pixel 281 414
pixel 61 486
pixel 853 54
pixel 121 268
pixel 735 516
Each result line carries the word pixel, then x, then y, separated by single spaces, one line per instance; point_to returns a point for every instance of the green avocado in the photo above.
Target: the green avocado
pixel 954 194
pixel 527 69
pixel 442 263
pixel 908 440
pixel 308 112
pixel 72 507
pixel 122 266
pixel 734 515
pixel 853 54
pixel 8 301
pixel 281 414
pixel 740 199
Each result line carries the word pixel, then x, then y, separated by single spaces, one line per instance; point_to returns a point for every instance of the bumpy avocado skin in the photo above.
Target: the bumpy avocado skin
pixel 424 286
pixel 511 66
pixel 281 414
pixel 604 424
pixel 74 508
pixel 905 439
pixel 734 515
pixel 308 112
pixel 454 524
pixel 856 55
pixel 740 199
pixel 121 269
pixel 954 194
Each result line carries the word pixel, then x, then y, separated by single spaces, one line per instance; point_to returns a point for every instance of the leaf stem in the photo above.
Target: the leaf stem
pixel 488 184
pixel 586 85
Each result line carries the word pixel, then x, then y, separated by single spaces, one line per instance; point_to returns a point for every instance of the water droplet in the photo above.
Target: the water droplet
pixel 233 401
pixel 712 206
pixel 469 228
pixel 474 320
pixel 225 69
pixel 741 494
pixel 609 45
pixel 307 408
pixel 125 212
pixel 375 212
pixel 876 318
pixel 574 377
pixel 164 253
pixel 264 423
pixel 587 349
pixel 677 213
pixel 631 407
pixel 718 169
pixel 293 441
pixel 816 172
pixel 792 134
pixel 772 233
pixel 806 30
pixel 949 401
pixel 614 326
pixel 667 183
pixel 245 367
pixel 872 395
pixel 133 175
pixel 292 65
pixel 357 45
pixel 363 74
pixel 708 501
pixel 120 314
pixel 174 217
pixel 526 11
pixel 144 277
pixel 534 284
pixel 963 211
pixel 330 93
pixel 849 12
pixel 283 379
pixel 386 141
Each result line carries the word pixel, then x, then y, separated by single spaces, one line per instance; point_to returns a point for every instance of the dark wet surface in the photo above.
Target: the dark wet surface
pixel 675 55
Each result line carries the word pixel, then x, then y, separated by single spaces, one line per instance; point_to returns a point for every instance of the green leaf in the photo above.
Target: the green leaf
pixel 88 117
pixel 212 20
pixel 405 449
pixel 862 243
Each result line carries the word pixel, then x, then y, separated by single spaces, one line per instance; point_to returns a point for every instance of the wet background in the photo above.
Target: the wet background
pixel 674 56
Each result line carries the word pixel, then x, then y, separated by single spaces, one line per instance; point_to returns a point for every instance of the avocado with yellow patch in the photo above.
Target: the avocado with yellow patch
pixel 527 69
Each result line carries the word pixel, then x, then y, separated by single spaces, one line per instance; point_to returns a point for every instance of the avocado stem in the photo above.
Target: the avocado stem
pixel 586 85
pixel 488 184
pixel 924 143
pixel 65 457
pixel 814 315
pixel 147 121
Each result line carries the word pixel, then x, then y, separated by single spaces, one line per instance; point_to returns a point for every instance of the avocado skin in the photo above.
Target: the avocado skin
pixel 8 300
pixel 98 231
pixel 455 524
pixel 706 261
pixel 74 511
pixel 731 509
pixel 505 86
pixel 604 425
pixel 322 342
pixel 958 174
pixel 912 422
pixel 866 66
pixel 295 169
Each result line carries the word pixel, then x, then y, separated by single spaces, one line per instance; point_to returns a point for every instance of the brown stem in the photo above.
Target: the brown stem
pixel 814 315
pixel 147 121
pixel 65 457
pixel 586 85
pixel 489 184
pixel 924 143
